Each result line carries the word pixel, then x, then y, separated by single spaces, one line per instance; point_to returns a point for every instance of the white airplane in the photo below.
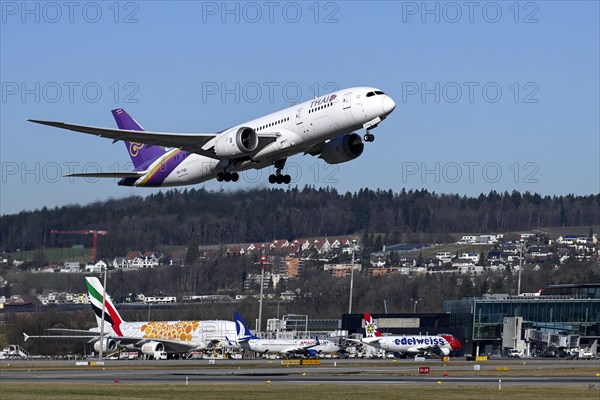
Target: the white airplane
pixel 323 127
pixel 408 344
pixel 307 347
pixel 149 337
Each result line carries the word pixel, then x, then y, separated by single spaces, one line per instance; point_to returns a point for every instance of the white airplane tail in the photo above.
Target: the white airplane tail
pixel 111 315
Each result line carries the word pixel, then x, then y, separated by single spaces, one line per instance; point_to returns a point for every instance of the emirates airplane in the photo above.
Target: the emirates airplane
pixel 324 127
pixel 149 337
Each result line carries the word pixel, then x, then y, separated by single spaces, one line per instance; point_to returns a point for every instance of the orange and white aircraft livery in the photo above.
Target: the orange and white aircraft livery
pixel 148 337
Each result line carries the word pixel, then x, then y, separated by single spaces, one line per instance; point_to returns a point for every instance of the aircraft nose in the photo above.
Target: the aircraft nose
pixel 455 344
pixel 388 105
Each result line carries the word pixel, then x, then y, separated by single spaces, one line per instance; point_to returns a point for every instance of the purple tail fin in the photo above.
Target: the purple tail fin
pixel 140 153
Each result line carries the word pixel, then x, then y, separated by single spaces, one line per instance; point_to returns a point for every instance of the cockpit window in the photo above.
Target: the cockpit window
pixel 370 94
pixel 378 92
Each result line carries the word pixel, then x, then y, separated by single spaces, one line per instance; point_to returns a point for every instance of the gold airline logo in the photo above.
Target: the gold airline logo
pixel 134 148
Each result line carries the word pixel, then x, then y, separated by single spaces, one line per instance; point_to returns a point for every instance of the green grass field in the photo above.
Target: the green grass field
pixel 264 391
pixel 60 254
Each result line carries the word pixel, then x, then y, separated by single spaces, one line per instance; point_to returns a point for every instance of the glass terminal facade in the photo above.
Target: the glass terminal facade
pixel 577 313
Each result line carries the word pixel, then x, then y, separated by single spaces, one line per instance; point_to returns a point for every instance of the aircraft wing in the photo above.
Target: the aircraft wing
pixel 170 345
pixel 72 336
pixel 78 334
pixel 192 142
pixel 374 339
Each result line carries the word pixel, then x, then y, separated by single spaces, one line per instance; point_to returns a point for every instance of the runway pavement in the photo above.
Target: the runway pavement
pixel 511 372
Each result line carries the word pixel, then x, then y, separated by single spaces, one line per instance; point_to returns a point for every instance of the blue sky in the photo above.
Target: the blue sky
pixel 493 97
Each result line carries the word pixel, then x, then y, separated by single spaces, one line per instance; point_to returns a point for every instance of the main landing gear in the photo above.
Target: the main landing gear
pixel 228 176
pixel 368 137
pixel 277 177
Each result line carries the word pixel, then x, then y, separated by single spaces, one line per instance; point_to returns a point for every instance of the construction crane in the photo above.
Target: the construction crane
pixel 85 232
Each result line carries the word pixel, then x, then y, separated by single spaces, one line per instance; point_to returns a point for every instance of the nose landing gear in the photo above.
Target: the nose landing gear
pixel 369 137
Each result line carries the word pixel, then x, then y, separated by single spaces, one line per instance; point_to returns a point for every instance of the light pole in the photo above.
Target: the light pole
pixel 102 319
pixel 149 305
pixel 520 267
pixel 351 282
pixel 263 261
pixel 415 304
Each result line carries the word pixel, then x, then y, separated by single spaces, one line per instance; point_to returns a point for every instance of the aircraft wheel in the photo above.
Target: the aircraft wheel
pixel 272 178
pixel 279 179
pixel 287 179
pixel 220 177
pixel 235 177
pixel 227 177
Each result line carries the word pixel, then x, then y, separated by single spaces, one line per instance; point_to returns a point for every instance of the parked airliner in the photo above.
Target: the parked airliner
pixel 325 127
pixel 408 344
pixel 149 337
pixel 307 347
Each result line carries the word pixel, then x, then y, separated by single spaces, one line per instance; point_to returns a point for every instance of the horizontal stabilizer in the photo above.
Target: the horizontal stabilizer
pixel 133 174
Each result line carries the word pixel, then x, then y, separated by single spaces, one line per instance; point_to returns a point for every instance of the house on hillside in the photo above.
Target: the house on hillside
pixel 70 267
pixel 96 268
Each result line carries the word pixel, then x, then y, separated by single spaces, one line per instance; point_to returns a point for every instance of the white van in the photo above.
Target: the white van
pixel 514 353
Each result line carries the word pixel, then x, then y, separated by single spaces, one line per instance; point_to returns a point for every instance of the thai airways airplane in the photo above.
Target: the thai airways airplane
pixel 323 127
pixel 408 344
pixel 307 347
pixel 149 337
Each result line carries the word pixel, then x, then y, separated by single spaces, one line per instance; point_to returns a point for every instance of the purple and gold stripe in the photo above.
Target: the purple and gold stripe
pixel 157 174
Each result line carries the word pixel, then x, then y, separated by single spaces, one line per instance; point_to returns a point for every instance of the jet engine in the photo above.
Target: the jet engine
pixel 342 148
pixel 110 345
pixel 236 142
pixel 151 347
pixel 443 351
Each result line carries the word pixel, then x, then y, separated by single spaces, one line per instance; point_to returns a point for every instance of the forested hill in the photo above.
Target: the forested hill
pixel 169 218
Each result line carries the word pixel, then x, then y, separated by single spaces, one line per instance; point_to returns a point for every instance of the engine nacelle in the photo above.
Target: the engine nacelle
pixel 109 345
pixel 236 142
pixel 443 351
pixel 150 348
pixel 342 148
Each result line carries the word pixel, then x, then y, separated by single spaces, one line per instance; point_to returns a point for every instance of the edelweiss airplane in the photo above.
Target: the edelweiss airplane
pixel 408 344
pixel 148 337
pixel 323 127
pixel 307 347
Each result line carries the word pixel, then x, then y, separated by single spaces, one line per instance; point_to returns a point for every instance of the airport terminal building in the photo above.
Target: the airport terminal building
pixel 563 316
